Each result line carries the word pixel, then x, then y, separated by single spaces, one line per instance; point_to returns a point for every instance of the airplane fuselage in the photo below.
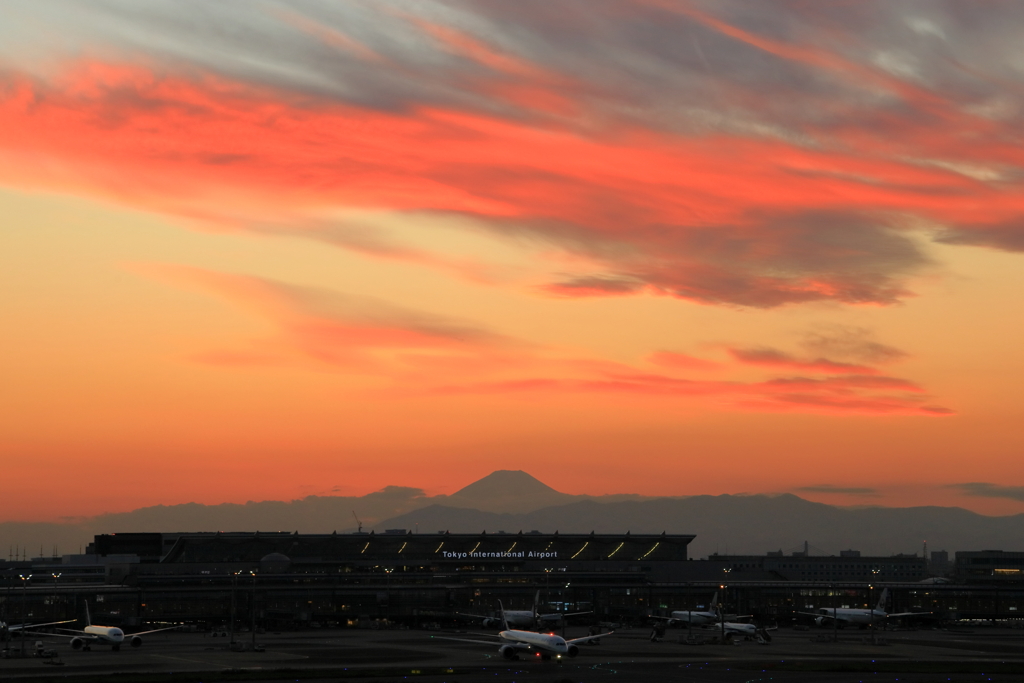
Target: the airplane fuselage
pixel 543 643
pixel 851 616
pixel 739 628
pixel 695 618
pixel 517 618
pixel 109 635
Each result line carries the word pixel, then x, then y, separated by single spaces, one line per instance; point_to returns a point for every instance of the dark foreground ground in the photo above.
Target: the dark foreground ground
pixel 982 654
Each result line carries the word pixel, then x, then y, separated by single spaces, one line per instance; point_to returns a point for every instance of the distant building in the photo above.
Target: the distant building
pixel 850 566
pixel 939 563
pixel 989 565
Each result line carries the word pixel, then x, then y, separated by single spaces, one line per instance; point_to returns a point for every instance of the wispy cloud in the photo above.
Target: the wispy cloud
pixel 843 490
pixel 360 333
pixel 419 354
pixel 985 490
pixel 851 343
pixel 775 358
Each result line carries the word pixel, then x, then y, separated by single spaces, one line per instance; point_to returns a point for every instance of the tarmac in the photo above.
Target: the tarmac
pixel 979 654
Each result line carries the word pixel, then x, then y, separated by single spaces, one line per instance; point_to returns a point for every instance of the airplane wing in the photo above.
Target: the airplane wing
pixel 74 634
pixel 821 614
pixel 559 615
pixel 586 638
pixel 511 643
pixel 907 614
pixel 155 630
pixel 22 627
pixel 465 640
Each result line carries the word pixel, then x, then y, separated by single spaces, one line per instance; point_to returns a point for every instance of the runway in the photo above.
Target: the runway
pixel 984 654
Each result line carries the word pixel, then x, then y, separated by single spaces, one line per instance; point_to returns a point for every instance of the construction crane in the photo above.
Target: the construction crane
pixel 358 522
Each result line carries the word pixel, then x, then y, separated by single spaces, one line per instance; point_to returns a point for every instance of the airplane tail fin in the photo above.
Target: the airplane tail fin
pixel 504 621
pixel 88 619
pixel 882 600
pixel 714 603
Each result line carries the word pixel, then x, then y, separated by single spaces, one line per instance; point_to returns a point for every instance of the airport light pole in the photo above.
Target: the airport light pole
pixel 24 616
pixel 387 594
pixel 253 623
pixel 55 575
pixel 721 611
pixel 871 606
pixel 6 614
pixel 871 603
pixel 723 603
pixel 835 616
pixel 231 625
pixel 564 610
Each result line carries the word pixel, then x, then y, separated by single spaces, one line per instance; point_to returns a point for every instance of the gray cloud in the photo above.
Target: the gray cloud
pixel 850 342
pixel 846 490
pixel 984 490
pixel 1008 235
pixel 785 258
pixel 875 93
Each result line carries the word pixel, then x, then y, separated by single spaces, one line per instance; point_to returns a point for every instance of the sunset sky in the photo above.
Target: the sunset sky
pixel 261 250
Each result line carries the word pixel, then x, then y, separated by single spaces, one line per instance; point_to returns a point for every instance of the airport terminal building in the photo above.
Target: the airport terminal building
pixel 291 580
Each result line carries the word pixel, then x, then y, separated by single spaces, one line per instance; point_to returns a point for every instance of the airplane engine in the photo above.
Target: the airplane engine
pixel 136 641
pixel 819 621
pixel 507 651
pixel 490 623
pixel 572 651
pixel 76 643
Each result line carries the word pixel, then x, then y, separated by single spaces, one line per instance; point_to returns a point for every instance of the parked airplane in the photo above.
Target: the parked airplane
pixel 104 635
pixel 736 628
pixel 860 617
pixel 697 618
pixel 523 618
pixel 513 642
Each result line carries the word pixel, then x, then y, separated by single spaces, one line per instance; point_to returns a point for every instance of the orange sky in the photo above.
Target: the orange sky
pixel 644 247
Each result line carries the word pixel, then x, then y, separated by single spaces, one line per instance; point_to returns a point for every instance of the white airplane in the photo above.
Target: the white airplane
pixel 544 645
pixel 697 618
pixel 104 635
pixel 736 628
pixel 859 616
pixel 522 618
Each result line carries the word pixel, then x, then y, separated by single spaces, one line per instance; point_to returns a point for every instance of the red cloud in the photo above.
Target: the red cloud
pixel 330 328
pixel 717 219
pixel 755 397
pixel 668 170
pixel 419 354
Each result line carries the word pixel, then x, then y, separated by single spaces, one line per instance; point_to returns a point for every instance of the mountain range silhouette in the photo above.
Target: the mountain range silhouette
pixel 513 501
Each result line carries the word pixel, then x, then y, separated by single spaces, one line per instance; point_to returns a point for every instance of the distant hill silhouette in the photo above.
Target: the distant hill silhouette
pixel 513 500
pixel 507 491
pixel 747 524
